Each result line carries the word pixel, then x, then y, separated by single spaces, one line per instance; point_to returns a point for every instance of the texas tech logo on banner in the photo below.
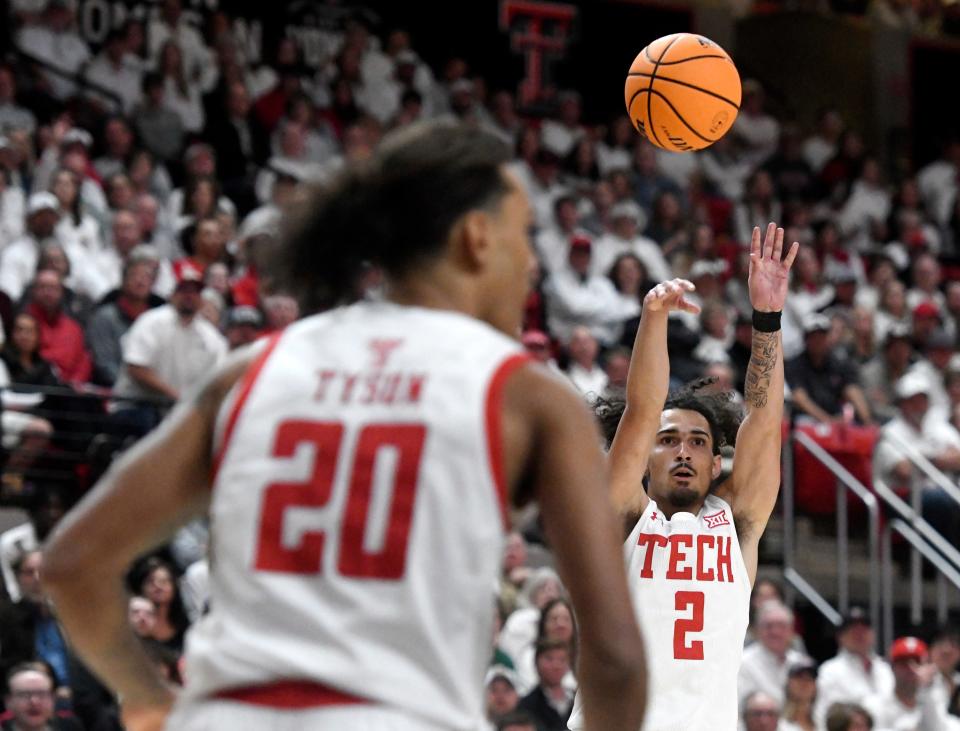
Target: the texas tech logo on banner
pixel 538 30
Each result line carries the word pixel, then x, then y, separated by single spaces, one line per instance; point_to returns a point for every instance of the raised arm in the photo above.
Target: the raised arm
pixel 752 489
pixel 552 445
pixel 647 386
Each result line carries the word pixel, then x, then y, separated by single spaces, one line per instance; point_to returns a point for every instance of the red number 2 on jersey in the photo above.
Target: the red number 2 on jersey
pixel 355 560
pixel 693 650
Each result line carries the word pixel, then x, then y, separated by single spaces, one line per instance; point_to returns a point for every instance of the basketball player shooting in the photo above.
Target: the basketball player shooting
pixel 692 555
pixel 357 470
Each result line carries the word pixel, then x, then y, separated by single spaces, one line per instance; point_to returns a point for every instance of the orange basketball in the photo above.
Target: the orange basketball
pixel 683 92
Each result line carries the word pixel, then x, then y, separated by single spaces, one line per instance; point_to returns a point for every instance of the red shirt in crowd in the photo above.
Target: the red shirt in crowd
pixel 63 345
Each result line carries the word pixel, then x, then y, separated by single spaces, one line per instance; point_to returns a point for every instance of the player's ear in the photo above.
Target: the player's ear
pixel 473 236
pixel 717 466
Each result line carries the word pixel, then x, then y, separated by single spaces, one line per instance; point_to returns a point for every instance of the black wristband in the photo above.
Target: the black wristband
pixel 766 322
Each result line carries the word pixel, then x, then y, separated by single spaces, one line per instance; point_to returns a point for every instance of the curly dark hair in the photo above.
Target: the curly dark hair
pixel 720 411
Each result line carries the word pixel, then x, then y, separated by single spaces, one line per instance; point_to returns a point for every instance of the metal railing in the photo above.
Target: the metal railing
pixel 846 484
pixel 947 571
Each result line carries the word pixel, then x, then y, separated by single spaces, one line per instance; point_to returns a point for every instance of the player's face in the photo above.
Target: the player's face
pixel 510 261
pixel 682 464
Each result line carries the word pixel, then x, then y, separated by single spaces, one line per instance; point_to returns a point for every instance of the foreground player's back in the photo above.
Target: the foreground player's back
pixel 356 517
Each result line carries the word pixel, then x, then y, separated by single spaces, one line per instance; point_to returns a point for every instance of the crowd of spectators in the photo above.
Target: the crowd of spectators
pixel 141 189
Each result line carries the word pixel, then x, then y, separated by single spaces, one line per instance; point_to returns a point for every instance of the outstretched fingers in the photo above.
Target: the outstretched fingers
pixel 778 245
pixel 768 240
pixel 791 255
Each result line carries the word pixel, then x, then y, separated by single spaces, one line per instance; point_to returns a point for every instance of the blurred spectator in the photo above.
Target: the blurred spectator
pixel 159 126
pixel 616 366
pixel 561 134
pixel 766 663
pixel 624 238
pixel 933 438
pixel 575 297
pixel 243 326
pixel 155 581
pixel 142 616
pixel 667 226
pixel 169 350
pixel 759 206
pixel 848 717
pixel 648 181
pixel 116 314
pixel 505 122
pixel 583 369
pixel 173 26
pixel 926 321
pixel 898 707
pixel 862 347
pixel 552 242
pixel 181 93
pixel 61 337
pixel 12 115
pixel 754 127
pixel 12 204
pixel 938 182
pixel 28 627
pixel 75 228
pixel 892 309
pixel 550 702
pixel 556 623
pixel 280 310
pixel 819 381
pixel 800 695
pixel 55 42
pixel 882 272
pixel 945 654
pixel 501 694
pixel 715 333
pixel 45 511
pixel 867 207
pixel 19 260
pixel 517 721
pixel 938 355
pixel 791 174
pixel 760 712
pixel 821 146
pixel 856 672
pixel 208 247
pixel 21 354
pixel 241 144
pixel 30 701
pixel 153 230
pixel 880 375
pixel 839 172
pixel 520 629
pixel 115 70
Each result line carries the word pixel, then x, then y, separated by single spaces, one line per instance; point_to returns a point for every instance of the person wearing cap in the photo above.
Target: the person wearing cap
pixel 56 43
pixel 119 310
pixel 799 696
pixel 243 326
pixel 934 438
pixel 501 694
pixel 169 350
pixel 856 672
pixel 624 238
pixel 879 375
pixel 19 260
pixel 766 662
pixel 577 297
pixel 820 381
pixel 899 708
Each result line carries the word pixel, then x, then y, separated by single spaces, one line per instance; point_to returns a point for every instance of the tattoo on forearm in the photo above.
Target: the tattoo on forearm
pixel 763 359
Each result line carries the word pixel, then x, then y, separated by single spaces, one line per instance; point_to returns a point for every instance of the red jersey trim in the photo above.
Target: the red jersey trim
pixel 291 694
pixel 494 414
pixel 246 386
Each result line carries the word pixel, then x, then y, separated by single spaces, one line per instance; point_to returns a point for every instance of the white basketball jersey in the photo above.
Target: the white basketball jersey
pixel 691 594
pixel 357 515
